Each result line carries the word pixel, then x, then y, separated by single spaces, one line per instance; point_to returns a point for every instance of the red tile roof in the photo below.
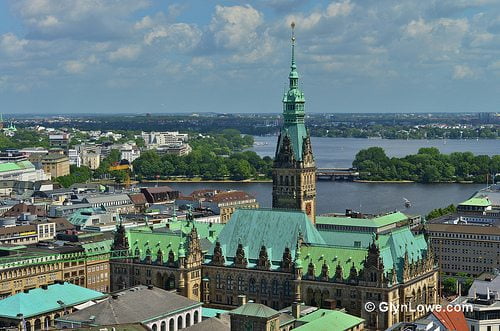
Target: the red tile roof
pixel 452 320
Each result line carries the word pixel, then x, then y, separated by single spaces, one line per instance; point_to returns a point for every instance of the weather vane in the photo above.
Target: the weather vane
pixel 293 33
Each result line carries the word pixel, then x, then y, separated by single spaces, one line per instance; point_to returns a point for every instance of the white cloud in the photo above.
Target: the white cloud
pixel 180 36
pixel 11 44
pixel 343 8
pixel 145 23
pixel 49 21
pixel 462 72
pixel 78 19
pixel 74 66
pixel 235 27
pixel 333 10
pixel 130 52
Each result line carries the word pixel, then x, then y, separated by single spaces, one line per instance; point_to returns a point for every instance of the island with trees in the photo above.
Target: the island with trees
pixel 427 166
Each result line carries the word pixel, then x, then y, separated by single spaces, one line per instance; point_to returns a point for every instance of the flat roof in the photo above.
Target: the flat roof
pixel 375 222
pixel 476 202
pixel 39 300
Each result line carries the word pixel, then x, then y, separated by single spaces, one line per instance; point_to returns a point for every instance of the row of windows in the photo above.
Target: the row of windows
pixel 253 286
pixel 464 236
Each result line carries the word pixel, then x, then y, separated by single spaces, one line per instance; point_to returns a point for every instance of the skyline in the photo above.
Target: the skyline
pixel 233 57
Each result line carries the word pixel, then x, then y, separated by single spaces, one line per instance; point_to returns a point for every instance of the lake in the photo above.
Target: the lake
pixel 366 197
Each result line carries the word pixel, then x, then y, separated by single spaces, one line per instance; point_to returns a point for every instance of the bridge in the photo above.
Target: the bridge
pixel 337 174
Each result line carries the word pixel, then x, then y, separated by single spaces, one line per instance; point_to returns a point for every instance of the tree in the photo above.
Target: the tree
pixel 450 285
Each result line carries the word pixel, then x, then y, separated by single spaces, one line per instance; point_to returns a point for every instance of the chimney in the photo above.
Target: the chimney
pixel 331 304
pixel 242 299
pixel 296 310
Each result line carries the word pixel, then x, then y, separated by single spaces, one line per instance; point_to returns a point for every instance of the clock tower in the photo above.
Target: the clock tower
pixel 294 169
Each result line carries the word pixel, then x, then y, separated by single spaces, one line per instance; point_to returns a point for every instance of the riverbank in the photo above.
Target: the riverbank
pixel 200 180
pixel 410 181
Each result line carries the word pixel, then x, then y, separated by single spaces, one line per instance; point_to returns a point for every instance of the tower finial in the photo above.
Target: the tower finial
pixel 293 43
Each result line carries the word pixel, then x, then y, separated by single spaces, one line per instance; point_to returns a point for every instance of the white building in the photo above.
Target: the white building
pixel 164 138
pixel 484 297
pixel 22 171
pixel 74 157
pixel 129 152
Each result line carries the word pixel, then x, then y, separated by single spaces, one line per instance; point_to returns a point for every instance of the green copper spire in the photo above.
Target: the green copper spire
pixel 293 108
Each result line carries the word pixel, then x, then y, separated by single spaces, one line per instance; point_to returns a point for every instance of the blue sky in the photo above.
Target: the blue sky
pixel 159 56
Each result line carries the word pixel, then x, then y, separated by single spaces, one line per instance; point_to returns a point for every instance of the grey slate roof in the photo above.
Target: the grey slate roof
pixel 481 287
pixel 135 305
pixel 107 198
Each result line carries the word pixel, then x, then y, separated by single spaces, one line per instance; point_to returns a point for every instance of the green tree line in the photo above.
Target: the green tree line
pixel 216 156
pixel 427 166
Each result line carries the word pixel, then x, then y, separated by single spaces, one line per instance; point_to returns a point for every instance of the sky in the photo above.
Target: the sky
pixel 159 56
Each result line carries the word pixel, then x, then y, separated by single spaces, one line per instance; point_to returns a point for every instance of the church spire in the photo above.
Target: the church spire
pixel 294 75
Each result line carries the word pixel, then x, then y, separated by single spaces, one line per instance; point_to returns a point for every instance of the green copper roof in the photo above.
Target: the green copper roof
pixel 375 222
pixel 39 301
pixel 333 256
pixel 12 166
pixel 254 310
pixel 477 202
pixel 392 245
pixel 99 247
pixel 293 111
pixel 144 239
pixel 211 312
pixel 345 238
pixel 275 229
pixel 325 319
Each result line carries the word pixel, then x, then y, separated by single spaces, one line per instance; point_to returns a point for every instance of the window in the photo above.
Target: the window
pixel 263 286
pixel 274 287
pixel 241 287
pixel 229 283
pixel 218 282
pixel 251 285
pixel 287 289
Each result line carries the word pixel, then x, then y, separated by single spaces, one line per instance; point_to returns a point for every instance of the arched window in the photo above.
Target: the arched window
pixel 38 324
pixel 154 327
pixel 263 286
pixel 179 322
pixel 188 320
pixel 229 283
pixel 241 283
pixel 163 326
pixel 170 282
pixel 171 324
pixel 28 326
pixel 218 282
pixel 251 285
pixel 196 316
pixel 287 289
pixel 47 322
pixel 274 286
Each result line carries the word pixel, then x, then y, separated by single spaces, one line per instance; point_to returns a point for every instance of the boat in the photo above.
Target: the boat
pixel 407 203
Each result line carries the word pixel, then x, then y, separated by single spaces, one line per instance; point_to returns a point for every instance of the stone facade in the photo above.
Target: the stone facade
pixel 164 265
